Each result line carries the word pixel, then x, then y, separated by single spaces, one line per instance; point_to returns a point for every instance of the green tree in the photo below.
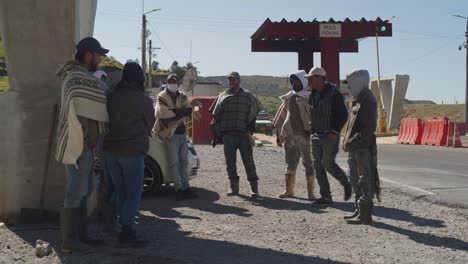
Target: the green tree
pixel 155 65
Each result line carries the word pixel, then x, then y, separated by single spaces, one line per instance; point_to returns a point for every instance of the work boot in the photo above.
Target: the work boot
pixel 234 188
pixel 129 238
pixel 69 226
pixel 365 214
pixel 348 191
pixel 254 190
pixel 356 212
pixel 290 182
pixel 310 187
pixel 82 227
pixel 323 201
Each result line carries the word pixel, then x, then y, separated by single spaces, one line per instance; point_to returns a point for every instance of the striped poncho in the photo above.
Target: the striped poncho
pixel 82 95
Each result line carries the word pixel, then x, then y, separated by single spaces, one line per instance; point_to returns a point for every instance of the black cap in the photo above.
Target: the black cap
pixel 92 45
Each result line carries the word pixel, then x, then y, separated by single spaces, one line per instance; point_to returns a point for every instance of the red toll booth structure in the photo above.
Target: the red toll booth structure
pixel 201 130
pixel 328 37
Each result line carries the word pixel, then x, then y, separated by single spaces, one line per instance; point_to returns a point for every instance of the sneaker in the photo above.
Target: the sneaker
pixel 189 194
pixel 323 201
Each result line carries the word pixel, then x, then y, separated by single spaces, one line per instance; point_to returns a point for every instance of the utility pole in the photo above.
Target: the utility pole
pixel 382 124
pixel 150 56
pixel 143 43
pixel 144 35
pixel 465 45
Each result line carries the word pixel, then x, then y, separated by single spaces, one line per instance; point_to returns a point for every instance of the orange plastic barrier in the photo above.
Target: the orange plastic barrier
pixel 429 126
pixel 438 136
pixel 411 131
pixel 453 138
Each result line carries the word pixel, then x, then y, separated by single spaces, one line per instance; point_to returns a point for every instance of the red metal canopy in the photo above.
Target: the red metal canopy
pixel 307 37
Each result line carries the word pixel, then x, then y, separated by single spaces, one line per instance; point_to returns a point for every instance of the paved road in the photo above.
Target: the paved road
pixel 439 173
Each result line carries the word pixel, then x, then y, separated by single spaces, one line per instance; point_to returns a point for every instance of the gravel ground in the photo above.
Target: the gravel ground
pixel 221 229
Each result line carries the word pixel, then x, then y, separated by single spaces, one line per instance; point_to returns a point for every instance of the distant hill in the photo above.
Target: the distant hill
pixel 258 84
pixel 428 102
pixel 454 112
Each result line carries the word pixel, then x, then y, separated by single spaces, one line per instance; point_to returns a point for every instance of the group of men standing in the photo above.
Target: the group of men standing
pixel 309 124
pixel 118 122
pixel 114 124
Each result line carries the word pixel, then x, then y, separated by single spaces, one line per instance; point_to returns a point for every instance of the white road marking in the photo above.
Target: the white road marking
pixel 408 186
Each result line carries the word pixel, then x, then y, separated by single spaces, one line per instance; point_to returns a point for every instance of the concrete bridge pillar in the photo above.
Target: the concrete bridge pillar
pixel 38 36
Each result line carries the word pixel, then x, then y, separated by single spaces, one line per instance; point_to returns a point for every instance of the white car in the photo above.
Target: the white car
pixel 156 166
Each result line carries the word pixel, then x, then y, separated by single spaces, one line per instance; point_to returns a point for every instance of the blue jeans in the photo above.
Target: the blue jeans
pixel 127 174
pixel 79 180
pixel 177 151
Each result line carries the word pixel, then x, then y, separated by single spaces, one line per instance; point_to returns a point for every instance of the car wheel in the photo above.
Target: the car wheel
pixel 152 179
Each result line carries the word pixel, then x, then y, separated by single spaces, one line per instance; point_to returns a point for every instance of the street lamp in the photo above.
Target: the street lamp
pixel 143 37
pixel 465 45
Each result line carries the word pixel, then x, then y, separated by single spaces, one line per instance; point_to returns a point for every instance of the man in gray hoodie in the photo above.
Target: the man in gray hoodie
pixel 292 120
pixel 360 142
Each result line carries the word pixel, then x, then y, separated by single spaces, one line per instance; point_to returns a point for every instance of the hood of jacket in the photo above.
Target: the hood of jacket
pixel 358 80
pixel 70 66
pixel 305 86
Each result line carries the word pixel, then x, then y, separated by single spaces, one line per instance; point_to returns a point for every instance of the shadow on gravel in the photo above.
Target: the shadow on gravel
pixel 405 216
pixel 426 239
pixel 164 204
pixel 282 204
pixel 169 245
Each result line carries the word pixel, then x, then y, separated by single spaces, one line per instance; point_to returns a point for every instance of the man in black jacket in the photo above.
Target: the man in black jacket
pixel 328 115
pixel 131 116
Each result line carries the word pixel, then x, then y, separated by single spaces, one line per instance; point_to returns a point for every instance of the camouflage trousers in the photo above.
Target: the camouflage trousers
pixel 297 147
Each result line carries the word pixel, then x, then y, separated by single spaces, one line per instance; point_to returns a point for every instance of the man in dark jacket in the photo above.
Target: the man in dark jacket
pixel 360 142
pixel 131 116
pixel 328 115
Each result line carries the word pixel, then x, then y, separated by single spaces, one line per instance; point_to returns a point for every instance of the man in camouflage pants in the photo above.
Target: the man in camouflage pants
pixel 292 122
pixel 360 142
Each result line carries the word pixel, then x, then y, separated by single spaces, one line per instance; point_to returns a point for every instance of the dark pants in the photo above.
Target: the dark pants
pixel 241 142
pixel 324 153
pixel 361 164
pixel 127 174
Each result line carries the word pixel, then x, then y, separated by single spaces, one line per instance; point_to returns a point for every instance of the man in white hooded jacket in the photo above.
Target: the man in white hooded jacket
pixel 292 122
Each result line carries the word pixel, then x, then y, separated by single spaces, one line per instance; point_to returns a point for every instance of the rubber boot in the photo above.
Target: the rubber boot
pixel 290 182
pixel 310 187
pixel 234 188
pixel 356 212
pixel 365 214
pixel 69 222
pixel 129 238
pixel 254 189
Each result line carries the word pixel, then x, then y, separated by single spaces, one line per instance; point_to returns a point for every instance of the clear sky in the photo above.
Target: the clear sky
pixel 424 44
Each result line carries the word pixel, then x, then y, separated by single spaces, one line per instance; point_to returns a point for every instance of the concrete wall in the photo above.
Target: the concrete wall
pixel 205 89
pixel 38 36
pixel 393 93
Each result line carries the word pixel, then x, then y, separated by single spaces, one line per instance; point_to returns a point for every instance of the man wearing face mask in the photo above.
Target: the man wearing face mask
pixel 172 108
pixel 292 119
pixel 360 142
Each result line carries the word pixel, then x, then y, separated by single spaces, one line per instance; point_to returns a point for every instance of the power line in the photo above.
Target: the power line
pixel 162 42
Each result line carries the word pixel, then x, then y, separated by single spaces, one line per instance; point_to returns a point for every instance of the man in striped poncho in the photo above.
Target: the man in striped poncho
pixel 82 120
